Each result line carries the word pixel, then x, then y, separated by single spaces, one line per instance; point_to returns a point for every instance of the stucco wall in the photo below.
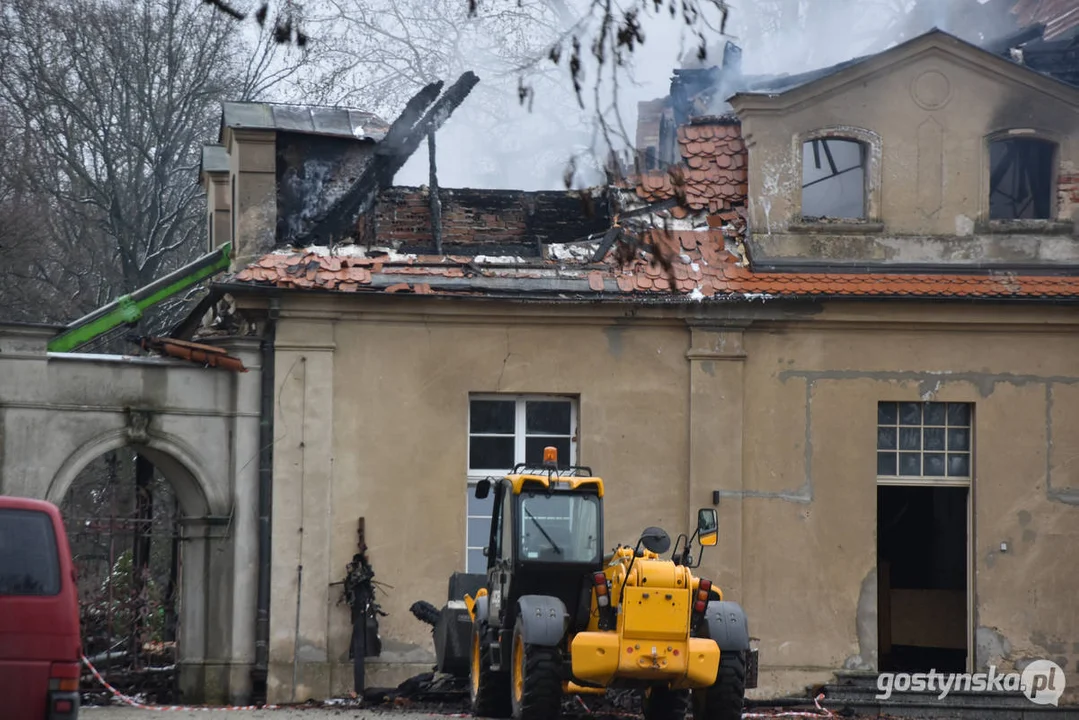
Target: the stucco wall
pixel 396 390
pixel 927 116
pixel 944 142
pixel 826 548
pixel 199 427
pixel 383 401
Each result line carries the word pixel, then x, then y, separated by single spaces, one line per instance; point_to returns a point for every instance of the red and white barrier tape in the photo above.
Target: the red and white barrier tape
pixel 136 704
pixel 127 700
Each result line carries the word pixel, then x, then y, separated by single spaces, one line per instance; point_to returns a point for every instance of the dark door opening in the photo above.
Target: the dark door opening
pixel 922 576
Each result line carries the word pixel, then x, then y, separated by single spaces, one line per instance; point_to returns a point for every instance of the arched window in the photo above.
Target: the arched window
pixel 835 178
pixel 1021 179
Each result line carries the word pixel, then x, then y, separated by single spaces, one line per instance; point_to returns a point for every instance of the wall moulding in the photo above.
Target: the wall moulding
pixel 717 341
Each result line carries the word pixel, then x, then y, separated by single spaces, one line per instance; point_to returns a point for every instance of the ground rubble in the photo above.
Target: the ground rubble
pixel 447 695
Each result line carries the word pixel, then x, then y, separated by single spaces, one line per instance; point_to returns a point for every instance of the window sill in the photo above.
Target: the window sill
pixel 1027 227
pixel 836 227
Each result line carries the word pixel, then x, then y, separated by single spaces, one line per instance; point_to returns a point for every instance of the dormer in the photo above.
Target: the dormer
pixel 276 167
pixel 934 152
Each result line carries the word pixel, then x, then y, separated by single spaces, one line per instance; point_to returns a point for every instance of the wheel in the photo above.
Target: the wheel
pixel 724 698
pixel 663 703
pixel 535 679
pixel 489 690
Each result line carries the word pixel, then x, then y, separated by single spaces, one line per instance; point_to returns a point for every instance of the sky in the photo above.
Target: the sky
pixel 493 141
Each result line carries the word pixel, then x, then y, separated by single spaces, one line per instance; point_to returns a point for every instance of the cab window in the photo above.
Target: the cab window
pixel 559 527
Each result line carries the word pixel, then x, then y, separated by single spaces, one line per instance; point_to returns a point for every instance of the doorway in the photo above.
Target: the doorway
pixel 922 561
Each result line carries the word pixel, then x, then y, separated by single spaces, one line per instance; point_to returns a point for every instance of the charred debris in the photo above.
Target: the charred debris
pixel 338 193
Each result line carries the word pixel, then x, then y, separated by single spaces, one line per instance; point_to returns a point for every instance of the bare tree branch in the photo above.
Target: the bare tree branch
pixel 113 100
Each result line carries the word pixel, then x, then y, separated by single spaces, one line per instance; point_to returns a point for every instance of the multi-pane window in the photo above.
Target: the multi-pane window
pixel 504 430
pixel 923 440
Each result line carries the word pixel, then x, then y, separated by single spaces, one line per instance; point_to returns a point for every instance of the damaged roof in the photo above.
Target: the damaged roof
pixel 715 172
pixel 671 238
pixel 309 119
pixel 774 84
pixel 679 266
pixel 1058 16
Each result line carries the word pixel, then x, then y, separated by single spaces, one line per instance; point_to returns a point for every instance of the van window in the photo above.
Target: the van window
pixel 29 564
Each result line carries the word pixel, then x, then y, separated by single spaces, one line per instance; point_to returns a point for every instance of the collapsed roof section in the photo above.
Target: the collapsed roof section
pixel 668 267
pixel 669 239
pixel 675 234
pixel 423 115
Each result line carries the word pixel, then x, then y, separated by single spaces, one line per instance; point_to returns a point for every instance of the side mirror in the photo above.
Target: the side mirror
pixel 483 489
pixel 707 527
pixel 656 540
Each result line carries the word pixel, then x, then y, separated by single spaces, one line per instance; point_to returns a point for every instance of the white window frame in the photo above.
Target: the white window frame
pixel 475 475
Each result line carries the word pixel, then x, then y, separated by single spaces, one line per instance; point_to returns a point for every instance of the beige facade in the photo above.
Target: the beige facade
pixel 777 415
pixel 199 427
pixel 927 113
pixel 794 412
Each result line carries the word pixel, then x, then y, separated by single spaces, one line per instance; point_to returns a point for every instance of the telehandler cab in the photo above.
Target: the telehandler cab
pixel 556 616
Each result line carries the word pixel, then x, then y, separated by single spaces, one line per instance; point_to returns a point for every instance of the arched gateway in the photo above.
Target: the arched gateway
pixel 199 428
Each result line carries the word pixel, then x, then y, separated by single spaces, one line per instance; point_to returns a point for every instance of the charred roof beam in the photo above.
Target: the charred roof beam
pixel 424 114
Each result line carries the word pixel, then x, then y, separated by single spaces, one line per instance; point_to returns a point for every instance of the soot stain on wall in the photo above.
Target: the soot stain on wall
pixel 313 171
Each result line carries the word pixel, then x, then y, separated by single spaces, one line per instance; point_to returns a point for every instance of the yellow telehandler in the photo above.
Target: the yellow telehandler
pixel 554 615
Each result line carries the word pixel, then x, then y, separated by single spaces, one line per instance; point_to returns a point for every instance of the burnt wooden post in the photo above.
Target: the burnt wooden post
pixel 423 115
pixel 359 624
pixel 360 595
pixel 436 201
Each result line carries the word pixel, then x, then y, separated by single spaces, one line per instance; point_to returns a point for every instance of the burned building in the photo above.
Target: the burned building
pixel 843 311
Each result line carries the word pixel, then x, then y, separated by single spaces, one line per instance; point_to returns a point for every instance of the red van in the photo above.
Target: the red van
pixel 40 647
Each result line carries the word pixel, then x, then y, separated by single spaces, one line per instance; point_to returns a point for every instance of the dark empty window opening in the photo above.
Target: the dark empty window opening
pixel 1020 179
pixel 834 179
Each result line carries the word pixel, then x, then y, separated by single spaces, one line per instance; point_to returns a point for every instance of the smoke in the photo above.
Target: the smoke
pixel 379 52
pixel 795 36
pixel 529 146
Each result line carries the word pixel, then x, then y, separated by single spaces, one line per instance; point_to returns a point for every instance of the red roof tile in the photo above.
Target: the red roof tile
pixel 685 265
pixel 713 175
pixel 680 264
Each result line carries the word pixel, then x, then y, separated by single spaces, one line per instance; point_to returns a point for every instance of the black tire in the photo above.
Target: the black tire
pixel 663 703
pixel 535 679
pixel 489 691
pixel 724 699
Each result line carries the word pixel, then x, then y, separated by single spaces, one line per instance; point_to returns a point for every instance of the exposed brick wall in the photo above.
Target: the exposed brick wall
pixel 1067 193
pixel 483 221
